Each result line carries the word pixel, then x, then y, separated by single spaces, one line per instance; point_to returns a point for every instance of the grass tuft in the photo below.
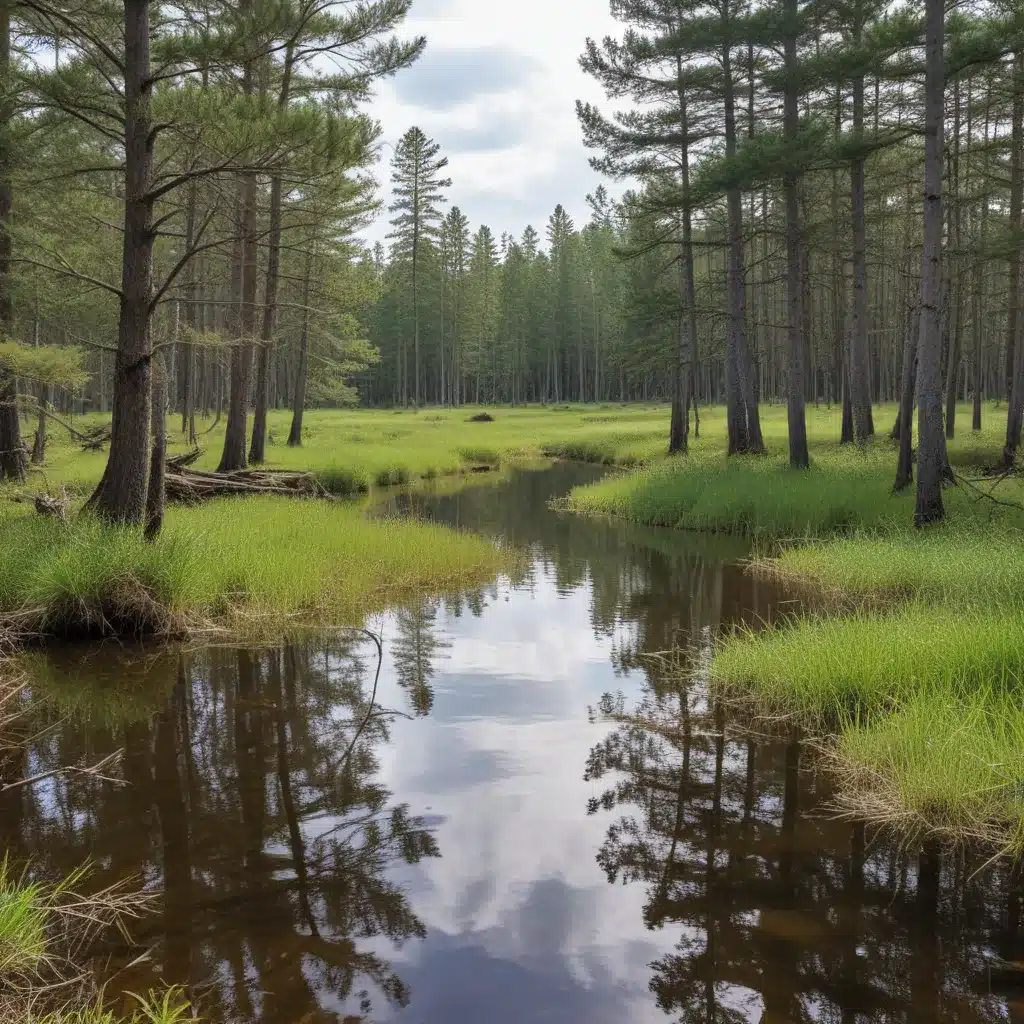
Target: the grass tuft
pixel 950 760
pixel 24 916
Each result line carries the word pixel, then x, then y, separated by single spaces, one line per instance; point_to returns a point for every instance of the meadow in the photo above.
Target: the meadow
pixel 254 565
pixel 352 451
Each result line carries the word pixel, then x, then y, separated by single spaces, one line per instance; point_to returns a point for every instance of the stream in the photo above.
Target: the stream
pixel 499 837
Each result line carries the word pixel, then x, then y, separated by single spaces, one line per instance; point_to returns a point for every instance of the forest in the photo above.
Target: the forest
pixel 325 560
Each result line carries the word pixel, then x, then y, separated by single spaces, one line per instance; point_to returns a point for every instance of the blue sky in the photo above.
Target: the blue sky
pixel 497 89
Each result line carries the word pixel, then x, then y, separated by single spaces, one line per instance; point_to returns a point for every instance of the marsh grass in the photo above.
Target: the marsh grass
pixel 964 563
pixel 949 760
pixel 167 1007
pixel 831 671
pixel 47 930
pixel 248 564
pixel 24 916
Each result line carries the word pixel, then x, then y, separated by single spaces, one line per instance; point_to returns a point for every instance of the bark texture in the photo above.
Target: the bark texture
pixel 931 444
pixel 121 494
pixel 797 378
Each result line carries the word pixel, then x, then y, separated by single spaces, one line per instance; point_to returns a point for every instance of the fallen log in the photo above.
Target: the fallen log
pixel 183 461
pixel 191 486
pixel 51 508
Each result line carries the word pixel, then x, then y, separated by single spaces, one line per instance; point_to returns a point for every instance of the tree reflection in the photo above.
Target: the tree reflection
pixel 415 652
pixel 783 914
pixel 272 840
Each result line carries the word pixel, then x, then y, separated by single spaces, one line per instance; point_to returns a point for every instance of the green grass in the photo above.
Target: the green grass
pixel 847 489
pixel 925 703
pixel 24 917
pixel 949 761
pixel 752 496
pixel 168 1006
pixel 247 562
pixel 831 671
pixel 966 562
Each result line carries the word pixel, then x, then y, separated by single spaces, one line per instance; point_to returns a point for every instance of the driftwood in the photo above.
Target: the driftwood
pixel 191 486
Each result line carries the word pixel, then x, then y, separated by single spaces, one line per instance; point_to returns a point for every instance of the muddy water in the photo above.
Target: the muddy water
pixel 494 838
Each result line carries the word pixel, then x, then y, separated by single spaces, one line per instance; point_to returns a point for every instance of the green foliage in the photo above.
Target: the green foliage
pixel 47 364
pixel 24 917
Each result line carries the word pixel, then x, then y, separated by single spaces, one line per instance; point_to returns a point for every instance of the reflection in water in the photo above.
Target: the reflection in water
pixel 306 885
pixel 779 914
pixel 271 845
pixel 415 651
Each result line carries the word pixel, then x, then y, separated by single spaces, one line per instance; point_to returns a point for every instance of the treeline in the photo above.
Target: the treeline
pixel 796 168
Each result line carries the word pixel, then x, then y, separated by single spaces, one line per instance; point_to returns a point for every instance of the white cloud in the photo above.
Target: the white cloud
pixel 497 89
pixel 517 898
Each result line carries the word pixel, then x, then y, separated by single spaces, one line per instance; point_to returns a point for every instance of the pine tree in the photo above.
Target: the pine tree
pixel 419 193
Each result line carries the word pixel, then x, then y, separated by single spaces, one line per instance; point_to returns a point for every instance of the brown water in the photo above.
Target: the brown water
pixel 504 846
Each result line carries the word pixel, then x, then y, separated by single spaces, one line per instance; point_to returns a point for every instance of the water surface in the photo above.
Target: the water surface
pixel 495 838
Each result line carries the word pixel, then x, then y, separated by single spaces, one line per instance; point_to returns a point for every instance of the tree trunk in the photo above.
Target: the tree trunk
pixel 1014 345
pixel 954 277
pixel 299 403
pixel 156 493
pixel 859 357
pixel 188 357
pixel 244 274
pixel 978 288
pixel 687 338
pixel 796 378
pixel 903 431
pixel 743 420
pixel 1016 205
pixel 257 449
pixel 12 453
pixel 39 442
pixel 846 431
pixel 120 496
pixel 932 464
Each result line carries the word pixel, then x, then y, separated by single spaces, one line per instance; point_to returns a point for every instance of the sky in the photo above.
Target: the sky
pixel 497 88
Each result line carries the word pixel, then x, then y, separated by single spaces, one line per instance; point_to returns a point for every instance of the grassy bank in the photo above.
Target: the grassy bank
pixel 848 489
pixel 248 564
